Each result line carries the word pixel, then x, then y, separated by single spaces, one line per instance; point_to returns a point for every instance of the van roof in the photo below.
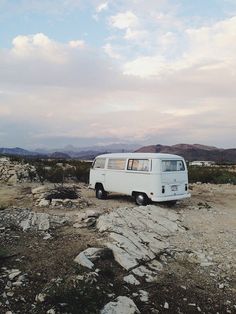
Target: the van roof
pixel 140 155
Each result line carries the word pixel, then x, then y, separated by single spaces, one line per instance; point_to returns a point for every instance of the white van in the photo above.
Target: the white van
pixel 145 176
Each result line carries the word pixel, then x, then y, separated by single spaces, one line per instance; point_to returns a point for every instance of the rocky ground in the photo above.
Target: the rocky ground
pixel 85 255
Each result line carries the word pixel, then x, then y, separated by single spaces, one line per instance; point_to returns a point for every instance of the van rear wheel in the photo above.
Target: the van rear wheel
pixel 101 193
pixel 141 199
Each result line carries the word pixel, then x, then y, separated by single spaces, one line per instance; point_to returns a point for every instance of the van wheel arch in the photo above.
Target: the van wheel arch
pixel 141 198
pixel 100 191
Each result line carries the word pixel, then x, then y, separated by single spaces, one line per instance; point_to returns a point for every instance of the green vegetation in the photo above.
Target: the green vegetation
pixel 60 171
pixel 216 175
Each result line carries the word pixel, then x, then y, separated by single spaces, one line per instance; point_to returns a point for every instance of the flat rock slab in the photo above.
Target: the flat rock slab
pixel 29 220
pixel 139 233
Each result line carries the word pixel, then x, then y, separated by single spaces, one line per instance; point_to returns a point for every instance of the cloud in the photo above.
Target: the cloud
pixel 38 46
pixel 124 20
pixel 135 34
pixel 109 50
pixel 77 43
pixel 102 7
pixel 86 94
pixel 209 49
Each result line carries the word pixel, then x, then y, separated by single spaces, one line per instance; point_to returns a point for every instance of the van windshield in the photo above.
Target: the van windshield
pixel 172 165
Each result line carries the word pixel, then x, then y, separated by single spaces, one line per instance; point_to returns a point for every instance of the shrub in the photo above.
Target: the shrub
pixel 211 175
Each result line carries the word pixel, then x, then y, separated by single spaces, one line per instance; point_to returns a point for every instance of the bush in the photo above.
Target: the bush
pixel 55 175
pixel 211 175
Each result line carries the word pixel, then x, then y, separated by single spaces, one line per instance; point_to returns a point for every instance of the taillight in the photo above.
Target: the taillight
pixel 163 189
pixel 186 187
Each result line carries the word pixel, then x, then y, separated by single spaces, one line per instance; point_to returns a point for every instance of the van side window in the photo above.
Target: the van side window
pixel 172 165
pixel 116 164
pixel 99 163
pixel 138 164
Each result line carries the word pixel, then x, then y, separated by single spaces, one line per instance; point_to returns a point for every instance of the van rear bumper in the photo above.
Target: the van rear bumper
pixel 170 198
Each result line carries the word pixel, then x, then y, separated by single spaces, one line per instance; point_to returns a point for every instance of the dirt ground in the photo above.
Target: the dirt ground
pixel 184 286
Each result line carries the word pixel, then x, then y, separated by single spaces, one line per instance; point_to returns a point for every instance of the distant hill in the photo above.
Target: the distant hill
pixel 189 152
pixel 59 155
pixel 17 151
pixel 193 152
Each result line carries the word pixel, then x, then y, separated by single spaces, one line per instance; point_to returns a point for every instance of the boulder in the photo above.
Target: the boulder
pixel 122 305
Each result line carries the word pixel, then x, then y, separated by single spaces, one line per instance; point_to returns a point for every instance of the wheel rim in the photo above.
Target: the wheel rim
pixel 99 193
pixel 140 199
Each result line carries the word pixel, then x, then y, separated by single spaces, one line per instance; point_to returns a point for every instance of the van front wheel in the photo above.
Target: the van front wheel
pixel 141 199
pixel 101 193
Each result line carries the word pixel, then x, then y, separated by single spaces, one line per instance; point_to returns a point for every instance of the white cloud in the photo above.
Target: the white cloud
pixel 77 43
pixel 109 50
pixel 209 48
pixel 145 66
pixel 124 20
pixel 102 7
pixel 38 46
pixel 135 34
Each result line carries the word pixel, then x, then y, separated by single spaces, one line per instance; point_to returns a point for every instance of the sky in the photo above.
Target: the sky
pixel 86 72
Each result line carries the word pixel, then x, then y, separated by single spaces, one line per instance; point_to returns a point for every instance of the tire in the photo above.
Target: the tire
pixel 101 194
pixel 141 199
pixel 171 203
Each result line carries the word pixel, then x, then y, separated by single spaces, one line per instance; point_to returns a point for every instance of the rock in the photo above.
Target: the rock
pixel 51 311
pixel 86 257
pixel 37 220
pixel 13 172
pixel 14 273
pixel 131 280
pixel 155 265
pixel 44 203
pixel 122 257
pixel 41 221
pixel 122 305
pixel 148 274
pixel 166 305
pixel 143 296
pixel 39 190
pixel 17 283
pixel 79 225
pixel 47 236
pixel 139 233
pixel 91 221
pixel 40 297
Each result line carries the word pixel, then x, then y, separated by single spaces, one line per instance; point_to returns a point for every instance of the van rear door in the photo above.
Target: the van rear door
pixel 174 177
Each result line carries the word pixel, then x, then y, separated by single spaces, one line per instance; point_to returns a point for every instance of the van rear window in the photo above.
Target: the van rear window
pixel 172 165
pixel 138 164
pixel 99 163
pixel 116 164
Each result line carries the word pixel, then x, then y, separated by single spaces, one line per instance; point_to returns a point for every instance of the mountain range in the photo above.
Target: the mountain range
pixel 193 152
pixel 190 152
